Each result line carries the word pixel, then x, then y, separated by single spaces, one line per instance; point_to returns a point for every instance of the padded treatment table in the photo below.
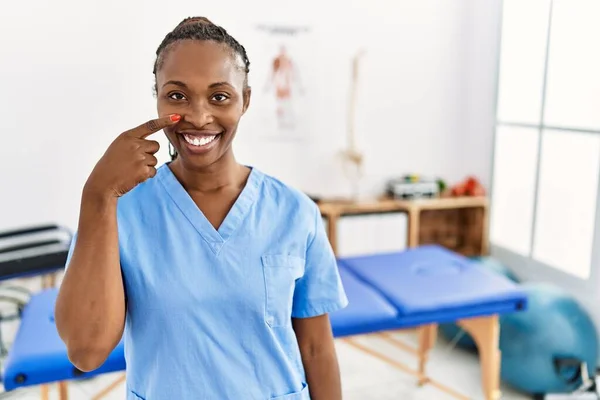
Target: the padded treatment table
pixel 36 250
pixel 367 310
pixel 38 355
pixel 426 286
pixel 431 284
pixel 420 288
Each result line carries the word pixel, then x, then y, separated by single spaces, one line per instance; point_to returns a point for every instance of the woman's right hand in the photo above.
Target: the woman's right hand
pixel 128 161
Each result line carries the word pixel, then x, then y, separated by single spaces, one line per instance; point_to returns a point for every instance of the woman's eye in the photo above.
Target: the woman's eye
pixel 220 97
pixel 176 96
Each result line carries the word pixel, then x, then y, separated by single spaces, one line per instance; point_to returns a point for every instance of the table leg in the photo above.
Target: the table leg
pixel 485 331
pixel 389 360
pixel 63 390
pixel 427 338
pixel 49 280
pixel 332 221
pixel 413 228
pixel 106 391
pixel 45 395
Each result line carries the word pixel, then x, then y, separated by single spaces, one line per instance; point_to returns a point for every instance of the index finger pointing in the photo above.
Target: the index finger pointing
pixel 154 125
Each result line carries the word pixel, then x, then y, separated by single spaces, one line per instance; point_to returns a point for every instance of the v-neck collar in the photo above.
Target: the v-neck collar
pixel 234 218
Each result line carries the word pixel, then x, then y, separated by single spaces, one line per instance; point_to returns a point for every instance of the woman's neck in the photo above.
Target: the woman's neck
pixel 223 174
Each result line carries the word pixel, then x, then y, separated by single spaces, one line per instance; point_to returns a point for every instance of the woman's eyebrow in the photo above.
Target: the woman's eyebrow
pixel 183 85
pixel 176 83
pixel 217 84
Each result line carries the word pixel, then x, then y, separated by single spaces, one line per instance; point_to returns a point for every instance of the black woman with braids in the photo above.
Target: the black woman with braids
pixel 219 278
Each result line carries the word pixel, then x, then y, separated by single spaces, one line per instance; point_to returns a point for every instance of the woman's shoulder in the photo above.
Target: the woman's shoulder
pixel 285 194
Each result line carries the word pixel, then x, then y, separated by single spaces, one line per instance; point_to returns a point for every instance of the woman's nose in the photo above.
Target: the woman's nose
pixel 199 116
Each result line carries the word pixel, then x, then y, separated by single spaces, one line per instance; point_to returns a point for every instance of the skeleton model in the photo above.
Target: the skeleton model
pixel 352 159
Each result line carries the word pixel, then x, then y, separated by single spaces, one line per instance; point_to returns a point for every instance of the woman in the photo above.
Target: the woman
pixel 222 275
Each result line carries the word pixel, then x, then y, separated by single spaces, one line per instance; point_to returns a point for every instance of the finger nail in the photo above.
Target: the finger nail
pixel 175 117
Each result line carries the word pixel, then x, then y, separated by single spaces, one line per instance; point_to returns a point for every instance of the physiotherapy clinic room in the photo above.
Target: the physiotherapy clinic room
pixel 452 148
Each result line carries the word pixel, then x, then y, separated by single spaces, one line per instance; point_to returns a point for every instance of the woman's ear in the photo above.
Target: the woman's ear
pixel 247 95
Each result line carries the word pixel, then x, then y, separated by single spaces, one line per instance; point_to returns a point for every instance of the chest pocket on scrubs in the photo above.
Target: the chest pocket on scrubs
pixel 281 272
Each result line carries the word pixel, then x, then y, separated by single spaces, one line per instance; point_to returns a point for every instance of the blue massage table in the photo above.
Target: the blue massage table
pixel 38 355
pixel 423 287
pixel 25 252
pixel 416 288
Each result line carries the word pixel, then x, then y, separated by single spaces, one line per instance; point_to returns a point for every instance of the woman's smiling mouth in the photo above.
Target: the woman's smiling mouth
pixel 200 142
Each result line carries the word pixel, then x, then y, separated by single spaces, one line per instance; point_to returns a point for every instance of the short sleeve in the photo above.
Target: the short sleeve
pixel 320 290
pixel 71 249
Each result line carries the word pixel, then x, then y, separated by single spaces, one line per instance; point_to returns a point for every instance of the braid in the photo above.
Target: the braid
pixel 200 28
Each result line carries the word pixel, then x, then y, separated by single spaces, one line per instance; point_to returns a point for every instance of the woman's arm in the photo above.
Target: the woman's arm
pixel 319 357
pixel 90 308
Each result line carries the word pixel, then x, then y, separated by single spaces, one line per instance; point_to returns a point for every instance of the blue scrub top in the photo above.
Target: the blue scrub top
pixel 209 311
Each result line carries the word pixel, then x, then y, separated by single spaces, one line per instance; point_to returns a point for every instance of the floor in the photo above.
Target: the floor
pixel 363 376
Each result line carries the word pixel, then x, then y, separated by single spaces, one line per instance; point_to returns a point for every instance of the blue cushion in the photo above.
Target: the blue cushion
pixel 431 284
pixel 367 310
pixel 38 355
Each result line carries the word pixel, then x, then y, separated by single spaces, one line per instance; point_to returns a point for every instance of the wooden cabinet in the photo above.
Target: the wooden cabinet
pixel 457 223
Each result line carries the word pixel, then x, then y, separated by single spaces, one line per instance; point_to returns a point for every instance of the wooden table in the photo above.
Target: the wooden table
pixel 424 217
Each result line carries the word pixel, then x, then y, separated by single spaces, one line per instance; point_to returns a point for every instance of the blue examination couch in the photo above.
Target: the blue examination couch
pixel 26 252
pixel 417 288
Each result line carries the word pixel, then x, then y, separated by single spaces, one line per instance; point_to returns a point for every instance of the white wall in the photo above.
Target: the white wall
pixel 81 71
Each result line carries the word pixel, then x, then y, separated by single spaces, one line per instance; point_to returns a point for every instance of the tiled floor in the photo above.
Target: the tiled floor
pixel 363 377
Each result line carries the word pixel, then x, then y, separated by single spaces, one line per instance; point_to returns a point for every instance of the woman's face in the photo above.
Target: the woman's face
pixel 202 81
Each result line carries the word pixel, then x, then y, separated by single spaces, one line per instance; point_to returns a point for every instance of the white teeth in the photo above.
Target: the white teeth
pixel 199 141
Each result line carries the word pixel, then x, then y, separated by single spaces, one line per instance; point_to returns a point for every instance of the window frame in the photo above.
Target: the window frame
pixel 526 266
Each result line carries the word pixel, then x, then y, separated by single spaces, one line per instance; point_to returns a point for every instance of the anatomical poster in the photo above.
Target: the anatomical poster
pixel 281 68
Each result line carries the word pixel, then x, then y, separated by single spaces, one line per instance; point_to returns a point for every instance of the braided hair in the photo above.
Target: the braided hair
pixel 200 28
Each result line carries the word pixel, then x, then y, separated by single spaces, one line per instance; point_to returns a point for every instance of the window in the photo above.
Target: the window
pixel 573 86
pixel 547 143
pixel 566 201
pixel 522 61
pixel 513 194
